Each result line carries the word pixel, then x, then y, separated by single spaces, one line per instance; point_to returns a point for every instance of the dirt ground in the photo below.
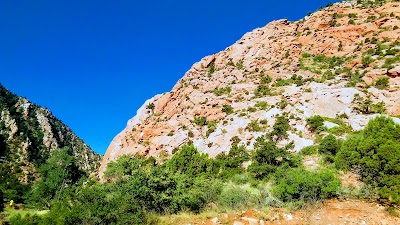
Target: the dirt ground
pixel 332 212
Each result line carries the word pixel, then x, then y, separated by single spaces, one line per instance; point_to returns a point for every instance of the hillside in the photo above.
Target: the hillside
pixel 29 133
pixel 341 63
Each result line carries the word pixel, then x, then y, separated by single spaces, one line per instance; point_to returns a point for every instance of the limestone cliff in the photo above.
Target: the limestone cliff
pixel 341 62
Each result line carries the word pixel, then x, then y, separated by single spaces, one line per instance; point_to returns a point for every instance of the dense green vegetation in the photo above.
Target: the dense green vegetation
pixel 374 153
pixel 138 189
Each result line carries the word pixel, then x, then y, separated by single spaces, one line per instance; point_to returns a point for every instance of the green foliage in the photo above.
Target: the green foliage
pixel 295 79
pixel 212 126
pixel 366 106
pixel 231 163
pixel 267 157
pixel 315 122
pixel 150 106
pixel 318 63
pixel 200 121
pixel 262 91
pixel 366 60
pixel 10 186
pixel 309 150
pixel 190 162
pixel 59 172
pixel 1 201
pixel 300 185
pixel 211 68
pixel 234 197
pixel 254 126
pixel 375 153
pixel 222 91
pixel 262 105
pixel 228 109
pixel 265 79
pixel 382 83
pixel 391 62
pixel 280 128
pixel 239 65
pixel 329 145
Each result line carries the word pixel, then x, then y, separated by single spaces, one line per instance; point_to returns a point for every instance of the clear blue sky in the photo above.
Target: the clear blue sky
pixel 94 62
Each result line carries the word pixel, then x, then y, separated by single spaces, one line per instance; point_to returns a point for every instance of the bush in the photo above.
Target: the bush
pixel 253 126
pixel 299 185
pixel 375 154
pixel 315 122
pixel 280 127
pixel 262 91
pixel 227 109
pixel 309 150
pixel 382 82
pixel 200 121
pixel 234 198
pixel 267 157
pixel 329 145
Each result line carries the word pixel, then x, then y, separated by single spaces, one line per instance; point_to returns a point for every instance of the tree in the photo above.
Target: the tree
pixel 315 122
pixel 280 127
pixel 375 154
pixel 268 157
pixel 59 172
pixel 329 145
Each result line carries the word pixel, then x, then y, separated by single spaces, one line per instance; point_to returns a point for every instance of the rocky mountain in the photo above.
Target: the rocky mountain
pixel 341 63
pixel 28 133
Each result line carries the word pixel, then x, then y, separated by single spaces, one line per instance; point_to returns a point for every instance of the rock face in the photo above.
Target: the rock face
pixel 338 55
pixel 28 133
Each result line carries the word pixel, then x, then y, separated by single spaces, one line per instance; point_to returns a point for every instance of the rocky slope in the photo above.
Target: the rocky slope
pixel 341 62
pixel 28 133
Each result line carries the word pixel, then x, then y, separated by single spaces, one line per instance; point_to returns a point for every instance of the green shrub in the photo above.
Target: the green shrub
pixel 227 109
pixel 382 82
pixel 366 105
pixel 299 185
pixel 261 105
pixel 375 153
pixel 254 126
pixel 280 128
pixel 267 157
pixel 315 122
pixel 265 79
pixel 211 68
pixel 329 145
pixel 200 121
pixel 309 150
pixel 234 198
pixel 262 91
pixel 222 91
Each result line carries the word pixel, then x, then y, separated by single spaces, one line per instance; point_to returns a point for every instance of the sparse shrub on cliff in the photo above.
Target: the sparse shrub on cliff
pixel 366 105
pixel 382 82
pixel 254 126
pixel 227 109
pixel 262 91
pixel 262 105
pixel 315 122
pixel 200 121
pixel 280 128
pixel 211 68
pixel 222 91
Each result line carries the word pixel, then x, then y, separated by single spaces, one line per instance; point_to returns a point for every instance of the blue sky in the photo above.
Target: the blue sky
pixel 93 63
